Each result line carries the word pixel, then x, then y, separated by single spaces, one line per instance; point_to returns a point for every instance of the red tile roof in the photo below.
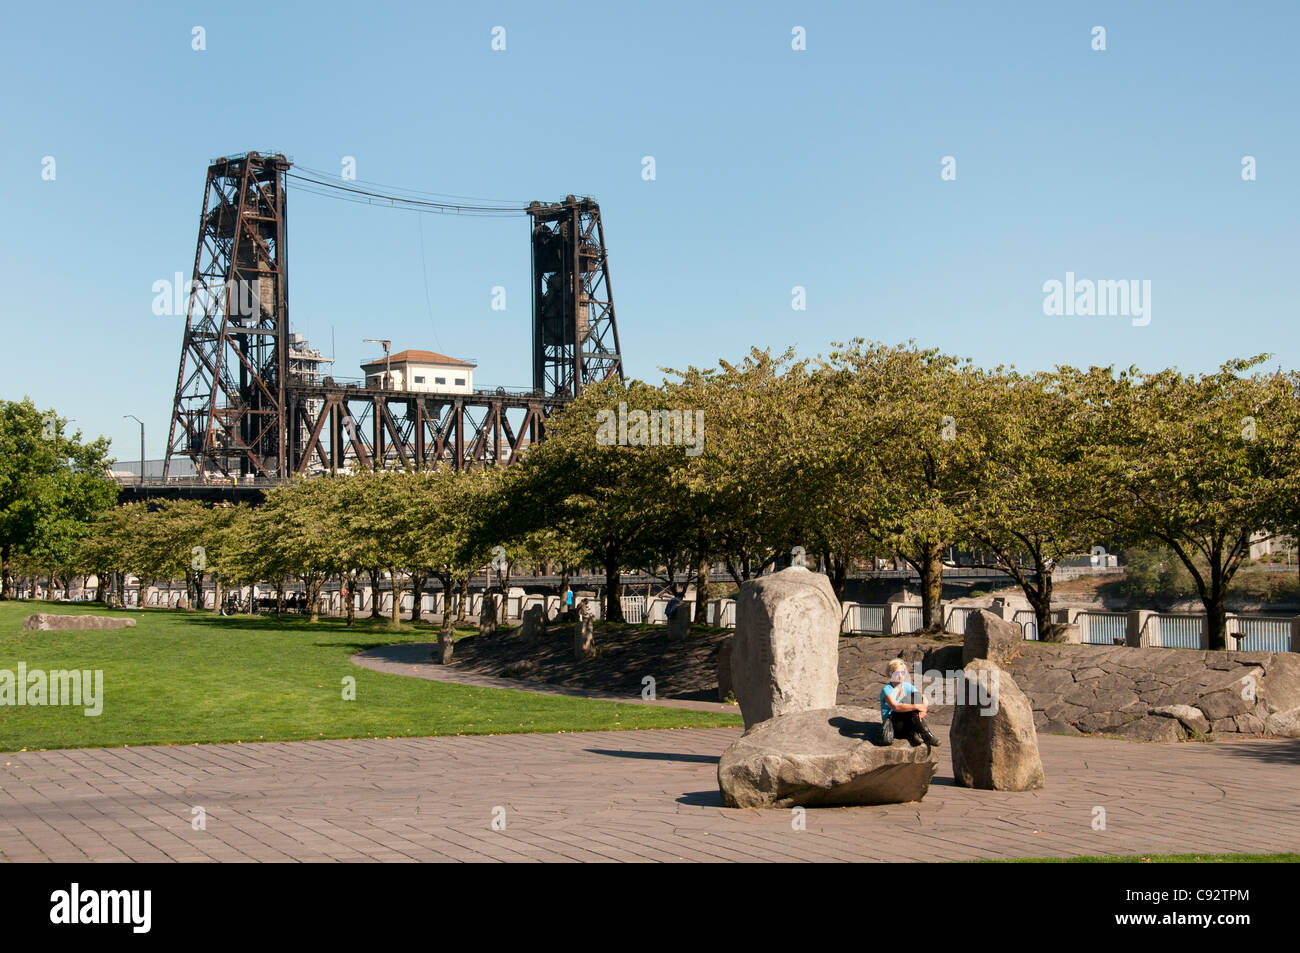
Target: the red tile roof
pixel 418 357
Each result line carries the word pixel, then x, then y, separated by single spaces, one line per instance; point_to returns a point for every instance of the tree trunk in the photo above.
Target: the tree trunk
pixel 5 579
pixel 613 586
pixel 1216 611
pixel 396 619
pixel 374 594
pixel 216 593
pixel 838 572
pixel 350 583
pixel 463 600
pixel 314 582
pixel 702 590
pixel 932 585
pixel 417 597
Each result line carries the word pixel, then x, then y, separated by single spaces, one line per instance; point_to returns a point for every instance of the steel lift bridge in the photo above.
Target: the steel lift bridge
pixel 248 413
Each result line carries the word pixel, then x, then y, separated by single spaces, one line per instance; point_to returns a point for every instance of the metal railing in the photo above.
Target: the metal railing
pixel 955 619
pixel 861 619
pixel 1103 628
pixel 907 619
pixel 1028 622
pixel 1259 633
pixel 1173 630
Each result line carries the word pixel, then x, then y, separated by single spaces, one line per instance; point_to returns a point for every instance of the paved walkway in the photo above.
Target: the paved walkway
pixel 415 659
pixel 623 795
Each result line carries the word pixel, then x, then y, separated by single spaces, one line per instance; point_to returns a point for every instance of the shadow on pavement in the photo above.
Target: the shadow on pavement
pixel 657 755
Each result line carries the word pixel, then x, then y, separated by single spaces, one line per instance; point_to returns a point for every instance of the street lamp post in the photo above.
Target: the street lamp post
pixel 141 423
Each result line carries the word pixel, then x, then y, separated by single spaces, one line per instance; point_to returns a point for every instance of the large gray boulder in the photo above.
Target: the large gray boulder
pixel 785 653
pixel 988 637
pixel 994 746
pixel 48 621
pixel 827 756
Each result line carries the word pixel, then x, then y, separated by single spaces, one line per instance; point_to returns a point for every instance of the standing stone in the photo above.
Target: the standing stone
pixel 988 637
pixel 584 638
pixel 679 626
pixel 785 653
pixel 531 626
pixel 994 747
pixel 724 668
pixel 487 616
pixel 446 643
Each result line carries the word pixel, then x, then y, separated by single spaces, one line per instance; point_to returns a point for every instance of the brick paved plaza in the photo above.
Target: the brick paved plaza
pixel 624 795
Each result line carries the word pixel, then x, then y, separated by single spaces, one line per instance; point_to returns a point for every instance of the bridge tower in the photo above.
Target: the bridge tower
pixel 575 338
pixel 229 414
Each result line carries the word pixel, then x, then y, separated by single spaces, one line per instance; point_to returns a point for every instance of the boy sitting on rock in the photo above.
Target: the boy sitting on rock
pixel 899 717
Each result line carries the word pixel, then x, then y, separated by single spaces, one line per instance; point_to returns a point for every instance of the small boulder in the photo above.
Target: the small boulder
pixel 988 637
pixel 1152 728
pixel 1190 718
pixel 1284 724
pixel 48 622
pixel 785 653
pixel 994 745
pixel 828 756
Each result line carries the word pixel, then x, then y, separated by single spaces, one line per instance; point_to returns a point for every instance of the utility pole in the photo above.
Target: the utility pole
pixel 141 423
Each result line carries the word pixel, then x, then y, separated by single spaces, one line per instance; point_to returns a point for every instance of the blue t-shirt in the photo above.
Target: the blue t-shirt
pixel 904 693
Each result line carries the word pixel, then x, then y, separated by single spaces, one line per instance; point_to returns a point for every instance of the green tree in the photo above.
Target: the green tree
pixel 51 487
pixel 1198 463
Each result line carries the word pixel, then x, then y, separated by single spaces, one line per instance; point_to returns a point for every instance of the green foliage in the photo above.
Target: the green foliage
pixel 52 485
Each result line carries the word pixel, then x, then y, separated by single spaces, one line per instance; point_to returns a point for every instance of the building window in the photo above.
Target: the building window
pixel 440 380
pixel 460 381
pixel 419 380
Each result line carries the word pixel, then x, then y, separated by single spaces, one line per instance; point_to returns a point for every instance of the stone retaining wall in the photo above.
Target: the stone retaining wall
pixel 1093 689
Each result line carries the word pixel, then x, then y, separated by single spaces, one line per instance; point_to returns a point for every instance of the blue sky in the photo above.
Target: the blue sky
pixel 775 168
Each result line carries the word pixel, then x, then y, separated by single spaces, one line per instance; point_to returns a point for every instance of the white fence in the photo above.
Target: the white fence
pixel 1258 633
pixel 633 608
pixel 907 619
pixel 955 619
pixel 1173 630
pixel 1102 628
pixel 863 620
pixel 1028 622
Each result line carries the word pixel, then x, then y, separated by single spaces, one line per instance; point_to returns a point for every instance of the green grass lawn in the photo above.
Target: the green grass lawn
pixel 188 677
